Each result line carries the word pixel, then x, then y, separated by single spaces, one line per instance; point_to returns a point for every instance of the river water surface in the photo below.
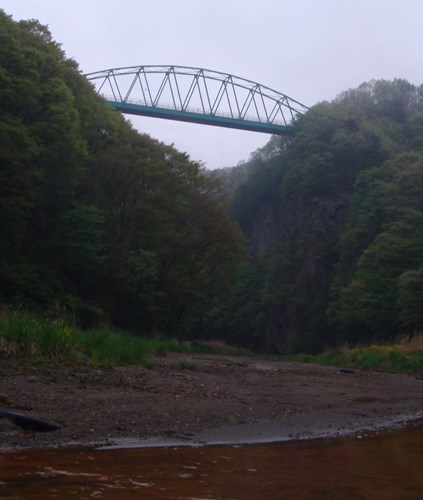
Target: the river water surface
pixel 385 465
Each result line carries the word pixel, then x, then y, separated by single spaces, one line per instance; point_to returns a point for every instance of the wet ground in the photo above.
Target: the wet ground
pixel 202 399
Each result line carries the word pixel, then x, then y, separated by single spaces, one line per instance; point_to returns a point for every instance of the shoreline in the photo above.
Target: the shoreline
pixel 272 432
pixel 262 433
pixel 223 400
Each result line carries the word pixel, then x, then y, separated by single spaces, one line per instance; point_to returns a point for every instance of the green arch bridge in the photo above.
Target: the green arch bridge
pixel 197 95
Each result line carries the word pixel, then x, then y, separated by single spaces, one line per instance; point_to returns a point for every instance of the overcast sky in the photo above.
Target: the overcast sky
pixel 310 50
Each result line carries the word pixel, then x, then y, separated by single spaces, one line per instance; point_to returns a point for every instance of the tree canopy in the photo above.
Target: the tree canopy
pixel 97 220
pixel 334 222
pixel 103 223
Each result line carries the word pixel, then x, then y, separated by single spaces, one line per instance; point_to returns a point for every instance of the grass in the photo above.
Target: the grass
pixel 403 356
pixel 188 365
pixel 217 347
pixel 42 341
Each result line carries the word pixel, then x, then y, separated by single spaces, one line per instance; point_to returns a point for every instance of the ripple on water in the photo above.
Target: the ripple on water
pixel 387 464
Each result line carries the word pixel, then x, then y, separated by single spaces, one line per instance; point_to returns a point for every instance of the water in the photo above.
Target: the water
pixel 386 465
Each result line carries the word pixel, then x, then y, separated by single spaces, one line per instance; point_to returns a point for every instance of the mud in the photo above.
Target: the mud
pixel 195 399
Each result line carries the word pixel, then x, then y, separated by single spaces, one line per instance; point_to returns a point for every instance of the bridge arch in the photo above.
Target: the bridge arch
pixel 197 95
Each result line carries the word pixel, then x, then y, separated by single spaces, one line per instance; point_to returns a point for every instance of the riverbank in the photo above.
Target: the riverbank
pixel 191 398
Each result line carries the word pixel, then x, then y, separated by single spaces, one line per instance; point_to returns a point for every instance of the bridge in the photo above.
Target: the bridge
pixel 197 95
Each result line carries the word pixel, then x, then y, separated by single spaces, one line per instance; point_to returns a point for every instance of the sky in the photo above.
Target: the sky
pixel 310 50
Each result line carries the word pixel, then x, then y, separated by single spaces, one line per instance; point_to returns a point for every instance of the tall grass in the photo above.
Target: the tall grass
pixel 42 339
pixel 46 341
pixel 403 356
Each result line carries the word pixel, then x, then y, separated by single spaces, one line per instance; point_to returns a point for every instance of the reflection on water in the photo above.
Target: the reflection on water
pixel 387 465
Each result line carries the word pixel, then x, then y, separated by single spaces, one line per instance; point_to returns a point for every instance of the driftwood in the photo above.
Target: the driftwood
pixel 29 423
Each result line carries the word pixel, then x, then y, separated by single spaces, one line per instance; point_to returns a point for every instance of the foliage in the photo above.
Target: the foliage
pixel 99 222
pixel 44 341
pixel 405 356
pixel 334 223
pixel 369 300
pixel 188 365
pixel 410 300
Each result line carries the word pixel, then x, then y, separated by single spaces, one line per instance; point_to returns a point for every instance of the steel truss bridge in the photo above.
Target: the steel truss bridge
pixel 197 95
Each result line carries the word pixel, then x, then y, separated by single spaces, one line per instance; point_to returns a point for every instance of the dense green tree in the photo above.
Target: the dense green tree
pixel 102 221
pixel 168 209
pixel 382 242
pixel 94 215
pixel 333 220
pixel 410 301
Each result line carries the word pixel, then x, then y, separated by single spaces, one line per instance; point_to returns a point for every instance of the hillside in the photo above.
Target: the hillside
pixel 100 223
pixel 334 223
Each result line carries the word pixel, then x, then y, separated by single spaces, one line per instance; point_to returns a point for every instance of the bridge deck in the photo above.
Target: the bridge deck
pixel 190 116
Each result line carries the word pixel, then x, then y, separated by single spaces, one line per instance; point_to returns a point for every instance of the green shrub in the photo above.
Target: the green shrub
pixel 45 340
pixel 390 358
pixel 188 365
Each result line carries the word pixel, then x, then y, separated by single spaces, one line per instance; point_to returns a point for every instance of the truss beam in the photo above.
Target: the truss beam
pixel 197 95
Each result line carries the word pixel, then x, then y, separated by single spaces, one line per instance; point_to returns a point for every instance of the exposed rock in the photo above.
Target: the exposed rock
pixel 317 220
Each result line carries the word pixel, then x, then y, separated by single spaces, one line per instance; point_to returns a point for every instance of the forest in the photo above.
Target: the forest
pixel 315 241
pixel 334 223
pixel 100 223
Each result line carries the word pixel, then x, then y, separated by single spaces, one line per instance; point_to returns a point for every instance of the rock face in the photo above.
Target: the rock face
pixel 265 230
pixel 301 235
pixel 317 218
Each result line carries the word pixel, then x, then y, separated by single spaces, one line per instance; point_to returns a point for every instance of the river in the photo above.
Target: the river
pixel 385 465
